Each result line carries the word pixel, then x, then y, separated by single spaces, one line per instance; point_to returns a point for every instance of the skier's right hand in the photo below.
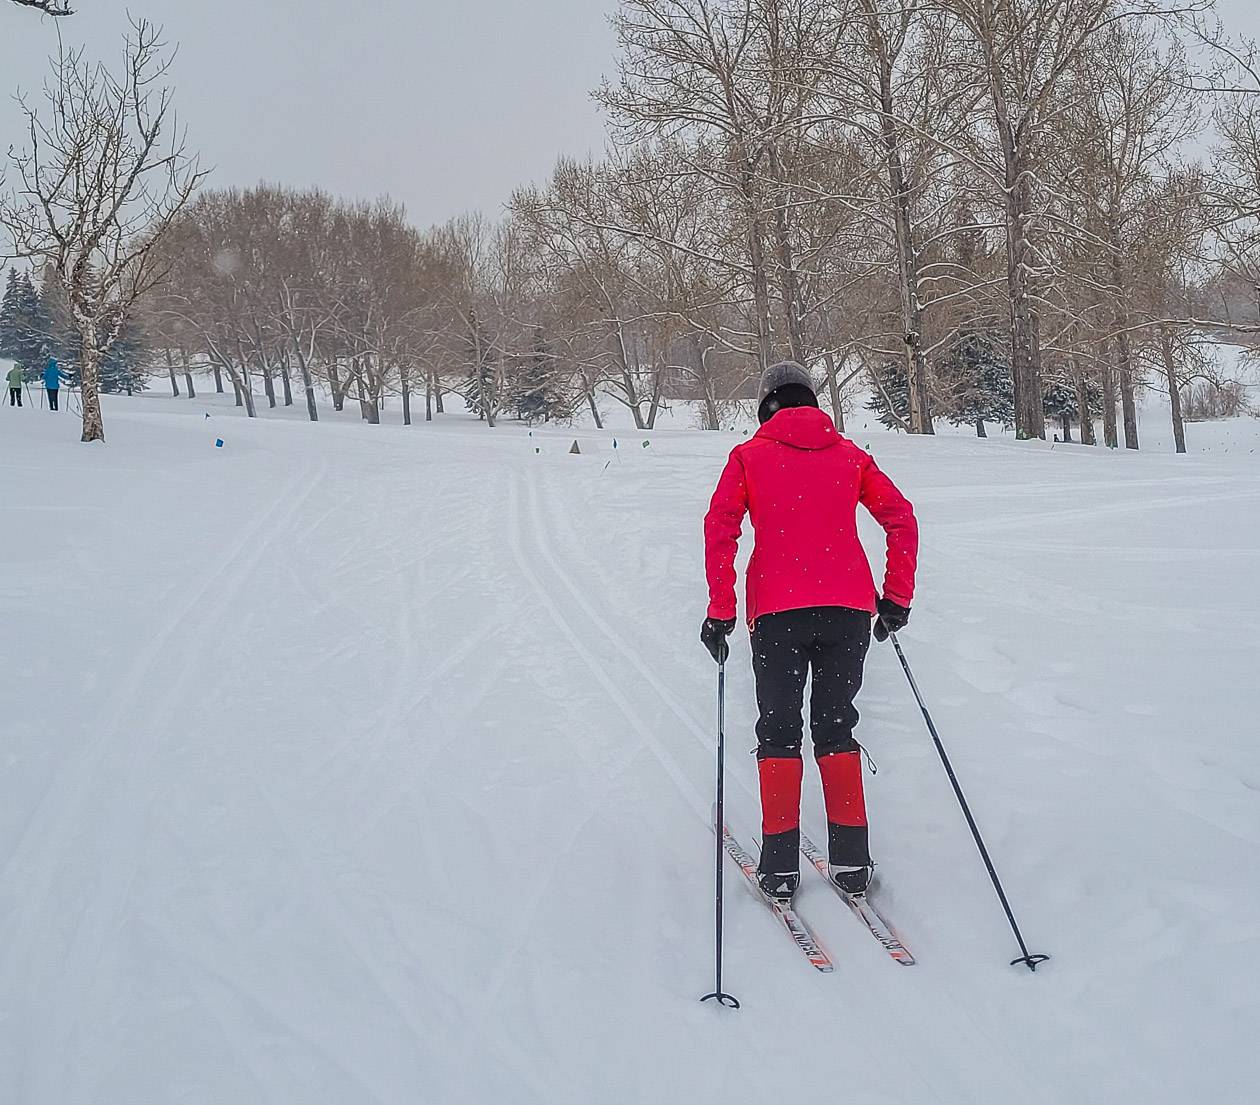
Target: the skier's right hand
pixel 713 636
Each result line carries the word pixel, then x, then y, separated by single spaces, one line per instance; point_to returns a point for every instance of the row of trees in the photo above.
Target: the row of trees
pixel 976 209
pixel 298 290
pixel 892 185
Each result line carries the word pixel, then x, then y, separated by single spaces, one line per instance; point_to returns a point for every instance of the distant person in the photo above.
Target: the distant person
pixel 15 385
pixel 810 601
pixel 52 382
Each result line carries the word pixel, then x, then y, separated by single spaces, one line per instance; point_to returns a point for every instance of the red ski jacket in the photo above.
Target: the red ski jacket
pixel 800 481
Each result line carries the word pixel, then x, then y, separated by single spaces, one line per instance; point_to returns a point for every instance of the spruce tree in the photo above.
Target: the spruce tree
pixel 977 372
pixel 125 367
pixel 122 369
pixel 1060 401
pixel 891 386
pixel 534 395
pixel 24 330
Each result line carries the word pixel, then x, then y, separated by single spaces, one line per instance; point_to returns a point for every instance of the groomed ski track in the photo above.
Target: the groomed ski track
pixel 387 779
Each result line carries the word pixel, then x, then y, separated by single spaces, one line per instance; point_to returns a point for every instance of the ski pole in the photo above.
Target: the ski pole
pixel 719 827
pixel 1030 961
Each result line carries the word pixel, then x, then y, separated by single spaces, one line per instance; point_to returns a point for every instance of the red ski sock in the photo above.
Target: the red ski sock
pixel 842 788
pixel 780 794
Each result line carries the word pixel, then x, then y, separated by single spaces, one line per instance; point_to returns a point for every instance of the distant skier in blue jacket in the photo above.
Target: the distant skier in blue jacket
pixel 52 382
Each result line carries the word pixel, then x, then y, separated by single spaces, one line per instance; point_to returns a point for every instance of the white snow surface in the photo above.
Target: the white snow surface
pixel 351 764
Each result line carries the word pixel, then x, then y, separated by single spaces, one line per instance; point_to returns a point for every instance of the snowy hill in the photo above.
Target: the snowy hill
pixel 346 765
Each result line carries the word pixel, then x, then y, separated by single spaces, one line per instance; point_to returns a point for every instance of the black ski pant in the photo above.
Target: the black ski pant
pixel 15 397
pixel 52 398
pixel 828 644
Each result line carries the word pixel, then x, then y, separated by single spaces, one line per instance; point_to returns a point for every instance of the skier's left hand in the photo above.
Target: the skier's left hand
pixel 713 636
pixel 892 618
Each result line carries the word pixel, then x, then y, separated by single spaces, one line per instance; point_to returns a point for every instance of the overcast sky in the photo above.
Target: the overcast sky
pixel 445 106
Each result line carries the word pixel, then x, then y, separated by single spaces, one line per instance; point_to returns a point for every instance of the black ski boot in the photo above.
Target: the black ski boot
pixel 779 886
pixel 851 880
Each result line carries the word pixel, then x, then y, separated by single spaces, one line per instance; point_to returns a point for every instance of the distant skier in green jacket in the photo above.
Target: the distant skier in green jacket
pixel 15 385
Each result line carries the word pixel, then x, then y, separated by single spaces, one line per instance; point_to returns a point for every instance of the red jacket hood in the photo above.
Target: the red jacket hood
pixel 801 427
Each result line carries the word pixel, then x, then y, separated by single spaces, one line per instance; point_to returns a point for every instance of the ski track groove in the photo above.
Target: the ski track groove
pixel 672 768
pixel 91 940
pixel 329 902
pixel 129 690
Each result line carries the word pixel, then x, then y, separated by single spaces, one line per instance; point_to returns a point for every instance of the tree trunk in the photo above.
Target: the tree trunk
pixel 1030 420
pixel 368 409
pixel 618 338
pixel 89 383
pixel 428 396
pixel 403 375
pixel 218 380
pixel 1067 426
pixel 334 382
pixel 486 401
pixel 247 392
pixel 305 369
pixel 246 384
pixel 833 389
pixel 757 263
pixel 170 368
pixel 1082 403
pixel 907 258
pixel 268 384
pixel 284 377
pixel 1128 405
pixel 1124 353
pixel 1174 393
pixel 1110 437
pixel 654 406
pixel 980 430
pixel 188 380
pixel 789 284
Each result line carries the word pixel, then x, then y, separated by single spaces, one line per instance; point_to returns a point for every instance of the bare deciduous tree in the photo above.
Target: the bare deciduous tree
pixel 105 174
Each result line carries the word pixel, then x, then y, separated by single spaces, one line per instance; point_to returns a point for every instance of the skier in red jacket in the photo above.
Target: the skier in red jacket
pixel 810 600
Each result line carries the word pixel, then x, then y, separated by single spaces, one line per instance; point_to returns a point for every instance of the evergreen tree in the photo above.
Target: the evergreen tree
pixel 534 395
pixel 890 377
pixel 24 328
pixel 61 335
pixel 11 322
pixel 977 372
pixel 125 367
pixel 1060 401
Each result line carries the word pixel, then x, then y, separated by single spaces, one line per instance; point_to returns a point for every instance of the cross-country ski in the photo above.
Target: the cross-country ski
pixel 862 907
pixel 792 922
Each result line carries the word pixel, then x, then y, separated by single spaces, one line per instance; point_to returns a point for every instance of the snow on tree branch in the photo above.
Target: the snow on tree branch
pixel 48 7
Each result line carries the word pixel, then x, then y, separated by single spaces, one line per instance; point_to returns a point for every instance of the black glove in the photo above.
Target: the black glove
pixel 713 636
pixel 892 618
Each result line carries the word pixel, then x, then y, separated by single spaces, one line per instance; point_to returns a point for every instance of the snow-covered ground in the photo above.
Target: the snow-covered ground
pixel 347 764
